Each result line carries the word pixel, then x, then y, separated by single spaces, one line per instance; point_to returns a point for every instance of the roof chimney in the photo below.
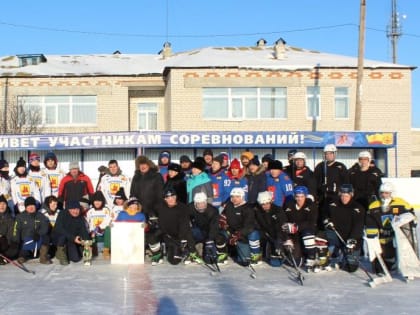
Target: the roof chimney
pixel 261 42
pixel 280 49
pixel 166 52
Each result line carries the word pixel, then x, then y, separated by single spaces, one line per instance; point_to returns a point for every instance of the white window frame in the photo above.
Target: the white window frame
pixel 231 97
pixel 310 97
pixel 23 100
pixel 148 113
pixel 340 97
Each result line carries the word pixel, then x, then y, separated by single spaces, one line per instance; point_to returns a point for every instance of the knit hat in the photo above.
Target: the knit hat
pixel 219 159
pixel 169 192
pixel 267 157
pixel 21 163
pixel 50 156
pixel 3 163
pixel 74 164
pixel 132 201
pixel 247 154
pixel 34 157
pixel 235 164
pixel 275 165
pixel 166 154
pixel 207 152
pixel 199 163
pixel 120 194
pixel 184 158
pixel 3 199
pixel 30 201
pixel 255 161
pixel 98 196
pixel 73 204
pixel 174 167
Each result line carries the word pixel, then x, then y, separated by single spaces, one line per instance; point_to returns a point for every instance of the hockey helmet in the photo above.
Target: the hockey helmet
pixel 300 190
pixel 299 155
pixel 346 189
pixel 265 197
pixel 365 155
pixel 200 197
pixel 237 191
pixel 330 148
pixel 386 187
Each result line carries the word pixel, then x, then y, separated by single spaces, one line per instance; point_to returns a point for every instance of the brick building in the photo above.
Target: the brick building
pixel 217 89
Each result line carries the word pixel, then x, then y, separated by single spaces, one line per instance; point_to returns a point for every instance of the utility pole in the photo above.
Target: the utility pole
pixel 362 27
pixel 394 30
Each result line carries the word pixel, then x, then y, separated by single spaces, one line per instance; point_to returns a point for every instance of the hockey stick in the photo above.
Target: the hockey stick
pixel 372 281
pixel 253 274
pixel 20 266
pixel 299 276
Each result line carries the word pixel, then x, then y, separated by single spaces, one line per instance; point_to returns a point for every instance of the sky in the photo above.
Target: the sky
pixel 143 26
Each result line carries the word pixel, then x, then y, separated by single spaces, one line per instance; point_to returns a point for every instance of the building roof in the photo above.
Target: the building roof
pixel 209 57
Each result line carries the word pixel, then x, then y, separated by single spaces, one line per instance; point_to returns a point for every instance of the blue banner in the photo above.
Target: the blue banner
pixel 196 139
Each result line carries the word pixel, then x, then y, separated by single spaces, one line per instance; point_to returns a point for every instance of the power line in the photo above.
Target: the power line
pixel 315 28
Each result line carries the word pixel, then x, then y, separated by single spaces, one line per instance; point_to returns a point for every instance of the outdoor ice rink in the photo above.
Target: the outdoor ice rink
pixel 191 289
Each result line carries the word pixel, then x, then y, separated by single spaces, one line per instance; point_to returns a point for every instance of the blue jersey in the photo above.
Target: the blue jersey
pixel 123 216
pixel 220 188
pixel 239 183
pixel 281 187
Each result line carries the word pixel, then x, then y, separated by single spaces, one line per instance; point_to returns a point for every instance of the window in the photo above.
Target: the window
pixel 62 110
pixel 244 103
pixel 313 103
pixel 147 116
pixel 341 101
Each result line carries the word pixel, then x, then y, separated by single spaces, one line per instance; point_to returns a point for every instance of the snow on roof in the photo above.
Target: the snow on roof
pixel 209 57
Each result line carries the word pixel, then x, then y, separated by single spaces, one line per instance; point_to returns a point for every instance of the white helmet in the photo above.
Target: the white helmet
pixel 299 155
pixel 365 155
pixel 265 197
pixel 237 191
pixel 386 187
pixel 330 148
pixel 200 197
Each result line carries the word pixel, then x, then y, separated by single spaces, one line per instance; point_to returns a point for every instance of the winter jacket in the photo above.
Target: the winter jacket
pixel 27 224
pixel 270 222
pixel 207 221
pixel 240 219
pixel 365 184
pixel 70 227
pixel 75 188
pixel 179 184
pixel 6 225
pixel 199 183
pixel 257 182
pixel 305 218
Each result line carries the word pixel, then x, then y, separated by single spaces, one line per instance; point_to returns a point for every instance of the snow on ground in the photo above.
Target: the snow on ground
pixel 192 289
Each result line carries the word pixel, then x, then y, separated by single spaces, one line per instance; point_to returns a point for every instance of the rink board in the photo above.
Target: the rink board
pixel 127 243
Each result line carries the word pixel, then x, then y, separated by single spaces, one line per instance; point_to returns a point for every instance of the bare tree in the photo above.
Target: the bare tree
pixel 21 119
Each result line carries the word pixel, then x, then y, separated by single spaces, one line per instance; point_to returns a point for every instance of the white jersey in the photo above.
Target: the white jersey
pixel 110 185
pixel 37 178
pixel 98 218
pixel 50 182
pixel 22 188
pixel 52 217
pixel 116 209
pixel 5 188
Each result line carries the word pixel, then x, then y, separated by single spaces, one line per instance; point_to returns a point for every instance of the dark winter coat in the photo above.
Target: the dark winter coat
pixel 75 188
pixel 175 222
pixel 200 183
pixel 305 177
pixel 6 225
pixel 270 222
pixel 240 218
pixel 27 224
pixel 70 227
pixel 148 189
pixel 365 184
pixel 348 219
pixel 206 221
pixel 257 183
pixel 329 178
pixel 179 184
pixel 305 218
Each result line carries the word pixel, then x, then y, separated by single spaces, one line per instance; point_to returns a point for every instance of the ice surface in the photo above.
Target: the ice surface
pixel 191 289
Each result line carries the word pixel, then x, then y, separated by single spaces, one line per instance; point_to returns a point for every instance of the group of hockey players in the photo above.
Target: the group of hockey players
pixel 204 211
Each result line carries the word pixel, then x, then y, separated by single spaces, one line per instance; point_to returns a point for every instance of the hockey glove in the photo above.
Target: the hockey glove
pixel 234 238
pixel 328 224
pixel 223 222
pixel 36 237
pixel 290 228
